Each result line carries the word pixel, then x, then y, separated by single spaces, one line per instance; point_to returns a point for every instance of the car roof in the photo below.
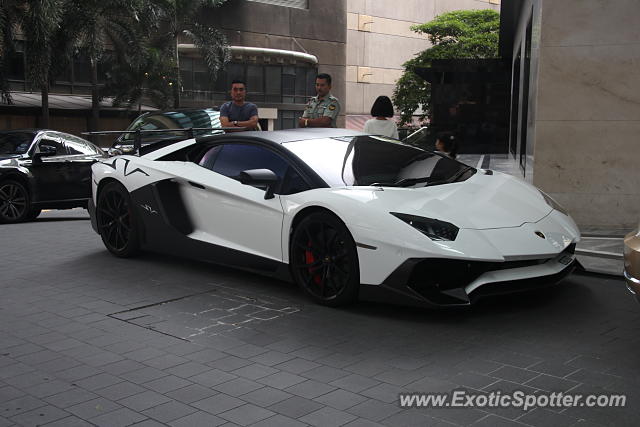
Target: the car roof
pixel 290 135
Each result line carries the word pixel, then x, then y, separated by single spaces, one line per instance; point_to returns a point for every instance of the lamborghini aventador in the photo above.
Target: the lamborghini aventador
pixel 340 212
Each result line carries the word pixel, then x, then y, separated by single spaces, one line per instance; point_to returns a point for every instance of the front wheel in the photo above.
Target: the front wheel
pixel 324 260
pixel 15 202
pixel 116 221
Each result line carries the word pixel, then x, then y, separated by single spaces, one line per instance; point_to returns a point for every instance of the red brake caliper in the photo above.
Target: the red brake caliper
pixel 309 259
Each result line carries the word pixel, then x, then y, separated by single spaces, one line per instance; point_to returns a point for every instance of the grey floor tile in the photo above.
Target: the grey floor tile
pixel 374 410
pixel 310 389
pixel 119 418
pixel 145 400
pixel 218 403
pixel 191 393
pixel 169 411
pixel 340 399
pixel 39 416
pixel 246 414
pixel 354 383
pixel 167 384
pixel 198 419
pixel 295 407
pixel 266 396
pixel 281 380
pixel 238 387
pixel 279 421
pixel 93 408
pixel 328 417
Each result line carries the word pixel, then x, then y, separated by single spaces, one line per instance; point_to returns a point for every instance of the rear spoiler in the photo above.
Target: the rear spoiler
pixel 137 140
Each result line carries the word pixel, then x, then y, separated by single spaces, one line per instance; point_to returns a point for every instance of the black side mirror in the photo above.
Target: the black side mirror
pixel 45 151
pixel 260 178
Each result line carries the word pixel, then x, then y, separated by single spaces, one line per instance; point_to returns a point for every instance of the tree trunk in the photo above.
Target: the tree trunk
pixel 95 100
pixel 44 93
pixel 177 83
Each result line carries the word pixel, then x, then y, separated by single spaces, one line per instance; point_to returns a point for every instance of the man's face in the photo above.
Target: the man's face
pixel 322 87
pixel 238 92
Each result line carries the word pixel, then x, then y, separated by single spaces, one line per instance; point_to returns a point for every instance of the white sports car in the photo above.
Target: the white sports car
pixel 340 212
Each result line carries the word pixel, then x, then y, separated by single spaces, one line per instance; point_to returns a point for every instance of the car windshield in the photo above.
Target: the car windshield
pixel 15 142
pixel 204 118
pixel 373 160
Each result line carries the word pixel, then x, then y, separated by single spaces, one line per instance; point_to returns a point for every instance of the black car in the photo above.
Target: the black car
pixel 43 169
pixel 167 127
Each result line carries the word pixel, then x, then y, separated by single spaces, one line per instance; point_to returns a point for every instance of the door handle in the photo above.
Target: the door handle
pixel 194 184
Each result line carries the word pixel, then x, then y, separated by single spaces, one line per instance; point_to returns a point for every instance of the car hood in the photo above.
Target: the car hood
pixel 481 202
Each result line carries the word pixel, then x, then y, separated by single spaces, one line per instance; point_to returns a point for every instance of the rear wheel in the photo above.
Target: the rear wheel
pixel 116 221
pixel 324 260
pixel 15 202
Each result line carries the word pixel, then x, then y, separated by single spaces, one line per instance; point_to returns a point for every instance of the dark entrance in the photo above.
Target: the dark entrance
pixel 470 97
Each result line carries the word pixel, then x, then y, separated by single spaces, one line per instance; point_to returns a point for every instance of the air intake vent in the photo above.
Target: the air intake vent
pixel 298 4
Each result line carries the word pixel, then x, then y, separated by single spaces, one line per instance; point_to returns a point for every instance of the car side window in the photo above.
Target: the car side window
pixel 77 146
pixel 47 144
pixel 235 158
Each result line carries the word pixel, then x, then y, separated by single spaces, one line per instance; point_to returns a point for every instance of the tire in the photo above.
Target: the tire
pixel 324 260
pixel 15 202
pixel 116 221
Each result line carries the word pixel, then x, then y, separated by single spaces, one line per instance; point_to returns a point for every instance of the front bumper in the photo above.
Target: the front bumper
pixel 450 282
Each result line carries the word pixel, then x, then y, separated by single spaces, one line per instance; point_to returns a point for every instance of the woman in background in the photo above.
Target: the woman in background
pixel 446 144
pixel 382 111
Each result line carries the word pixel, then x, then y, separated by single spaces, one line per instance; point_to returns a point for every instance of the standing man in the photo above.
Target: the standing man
pixel 238 113
pixel 323 109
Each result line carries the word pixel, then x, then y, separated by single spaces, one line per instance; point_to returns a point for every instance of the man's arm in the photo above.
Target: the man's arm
pixel 320 122
pixel 224 121
pixel 249 124
pixel 224 116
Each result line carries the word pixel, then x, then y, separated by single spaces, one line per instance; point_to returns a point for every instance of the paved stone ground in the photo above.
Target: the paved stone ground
pixel 88 339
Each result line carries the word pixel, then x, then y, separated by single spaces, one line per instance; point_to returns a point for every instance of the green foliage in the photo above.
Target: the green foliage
pixel 137 38
pixel 459 34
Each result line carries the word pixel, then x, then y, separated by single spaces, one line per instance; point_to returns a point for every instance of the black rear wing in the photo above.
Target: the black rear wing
pixel 137 139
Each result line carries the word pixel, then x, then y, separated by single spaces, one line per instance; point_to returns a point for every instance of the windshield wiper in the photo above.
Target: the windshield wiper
pixel 452 179
pixel 405 182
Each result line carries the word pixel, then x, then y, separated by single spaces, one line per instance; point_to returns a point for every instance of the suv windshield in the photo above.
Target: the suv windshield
pixel 368 160
pixel 15 142
pixel 204 118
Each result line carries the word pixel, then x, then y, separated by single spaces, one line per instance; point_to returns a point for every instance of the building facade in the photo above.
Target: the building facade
pixel 380 40
pixel 575 110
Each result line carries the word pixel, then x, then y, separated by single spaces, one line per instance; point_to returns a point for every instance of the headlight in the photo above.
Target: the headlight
pixel 432 228
pixel 552 203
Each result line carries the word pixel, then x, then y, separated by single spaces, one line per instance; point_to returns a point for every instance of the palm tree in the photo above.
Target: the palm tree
pixel 185 18
pixel 104 30
pixel 40 22
pixel 10 15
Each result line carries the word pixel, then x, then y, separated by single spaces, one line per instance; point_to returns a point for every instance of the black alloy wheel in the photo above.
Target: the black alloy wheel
pixel 15 203
pixel 324 260
pixel 116 221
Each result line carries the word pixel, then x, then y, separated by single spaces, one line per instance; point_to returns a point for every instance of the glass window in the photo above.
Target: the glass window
pixel 255 79
pixel 48 144
pixel 273 83
pixel 235 158
pixel 365 160
pixel 15 142
pixel 77 146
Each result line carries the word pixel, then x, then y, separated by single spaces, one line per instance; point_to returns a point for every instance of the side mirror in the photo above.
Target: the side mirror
pixel 45 151
pixel 260 178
